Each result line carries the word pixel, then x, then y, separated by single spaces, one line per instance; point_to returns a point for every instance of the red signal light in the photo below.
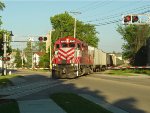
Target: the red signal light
pixel 40 39
pixel 8 58
pixel 135 18
pixel 127 18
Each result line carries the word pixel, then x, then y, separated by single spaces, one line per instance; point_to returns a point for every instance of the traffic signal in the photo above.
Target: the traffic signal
pixel 127 18
pixel 135 18
pixel 41 39
pixel 45 38
pixel 130 19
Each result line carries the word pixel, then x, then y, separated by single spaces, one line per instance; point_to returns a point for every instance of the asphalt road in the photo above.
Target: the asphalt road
pixel 131 94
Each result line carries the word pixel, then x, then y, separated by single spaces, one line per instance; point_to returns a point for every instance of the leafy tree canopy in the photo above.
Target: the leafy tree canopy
pixel 64 26
pixel 18 59
pixel 135 37
pixel 28 54
pixel 2 6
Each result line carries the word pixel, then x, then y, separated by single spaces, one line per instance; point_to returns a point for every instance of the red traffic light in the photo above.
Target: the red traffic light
pixel 127 18
pixel 40 39
pixel 6 59
pixel 135 18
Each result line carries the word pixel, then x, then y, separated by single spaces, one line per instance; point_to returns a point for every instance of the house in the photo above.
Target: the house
pixel 36 58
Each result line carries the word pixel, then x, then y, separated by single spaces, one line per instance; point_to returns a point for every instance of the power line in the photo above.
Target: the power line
pixel 118 14
pixel 115 21
pixel 100 5
pixel 112 10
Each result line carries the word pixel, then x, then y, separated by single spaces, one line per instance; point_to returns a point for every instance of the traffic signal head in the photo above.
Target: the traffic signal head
pixel 45 38
pixel 40 39
pixel 135 18
pixel 129 19
pixel 6 59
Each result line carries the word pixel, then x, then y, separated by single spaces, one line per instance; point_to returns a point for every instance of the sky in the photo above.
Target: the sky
pixel 31 18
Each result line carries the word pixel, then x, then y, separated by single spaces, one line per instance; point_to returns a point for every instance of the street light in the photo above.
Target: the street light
pixel 50 47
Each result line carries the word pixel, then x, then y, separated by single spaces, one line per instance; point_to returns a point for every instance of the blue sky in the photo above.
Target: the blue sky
pixel 32 17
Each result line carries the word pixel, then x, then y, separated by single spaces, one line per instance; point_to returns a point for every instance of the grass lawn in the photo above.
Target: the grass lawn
pixel 8 106
pixel 4 80
pixel 73 103
pixel 128 72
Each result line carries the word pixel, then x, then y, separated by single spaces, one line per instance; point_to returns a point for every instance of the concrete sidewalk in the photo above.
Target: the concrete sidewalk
pixel 39 106
pixel 49 106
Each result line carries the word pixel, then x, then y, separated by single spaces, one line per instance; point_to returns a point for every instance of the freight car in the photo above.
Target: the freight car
pixel 73 58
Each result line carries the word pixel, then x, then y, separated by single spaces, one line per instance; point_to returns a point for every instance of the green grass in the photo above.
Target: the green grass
pixel 9 107
pixel 73 103
pixel 128 72
pixel 4 80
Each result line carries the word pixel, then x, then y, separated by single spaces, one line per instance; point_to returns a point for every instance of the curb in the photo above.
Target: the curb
pixel 103 104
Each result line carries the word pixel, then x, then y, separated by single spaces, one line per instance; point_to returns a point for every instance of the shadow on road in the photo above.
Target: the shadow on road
pixel 71 85
pixel 129 104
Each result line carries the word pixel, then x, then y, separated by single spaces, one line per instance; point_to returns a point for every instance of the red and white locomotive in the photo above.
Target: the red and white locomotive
pixel 73 58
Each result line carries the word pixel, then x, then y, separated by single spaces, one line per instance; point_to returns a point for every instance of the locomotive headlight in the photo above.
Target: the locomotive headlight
pixel 54 64
pixel 67 40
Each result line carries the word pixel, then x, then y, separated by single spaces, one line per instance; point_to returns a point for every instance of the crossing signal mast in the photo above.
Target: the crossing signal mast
pixel 136 19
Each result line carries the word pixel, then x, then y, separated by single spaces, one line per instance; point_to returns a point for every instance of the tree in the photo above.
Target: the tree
pixel 18 59
pixel 28 54
pixel 44 61
pixel 39 46
pixel 135 37
pixel 2 6
pixel 64 26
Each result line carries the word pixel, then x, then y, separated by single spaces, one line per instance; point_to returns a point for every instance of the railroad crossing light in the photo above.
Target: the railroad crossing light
pixel 40 39
pixel 129 19
pixel 135 18
pixel 6 59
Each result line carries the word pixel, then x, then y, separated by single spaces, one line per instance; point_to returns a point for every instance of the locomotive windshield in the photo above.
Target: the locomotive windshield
pixel 64 45
pixel 71 45
pixel 67 45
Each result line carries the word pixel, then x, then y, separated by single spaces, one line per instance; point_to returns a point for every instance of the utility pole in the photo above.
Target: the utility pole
pixel 75 27
pixel 75 22
pixel 50 49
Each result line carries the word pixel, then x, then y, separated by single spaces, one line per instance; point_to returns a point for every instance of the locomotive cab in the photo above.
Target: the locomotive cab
pixel 66 57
